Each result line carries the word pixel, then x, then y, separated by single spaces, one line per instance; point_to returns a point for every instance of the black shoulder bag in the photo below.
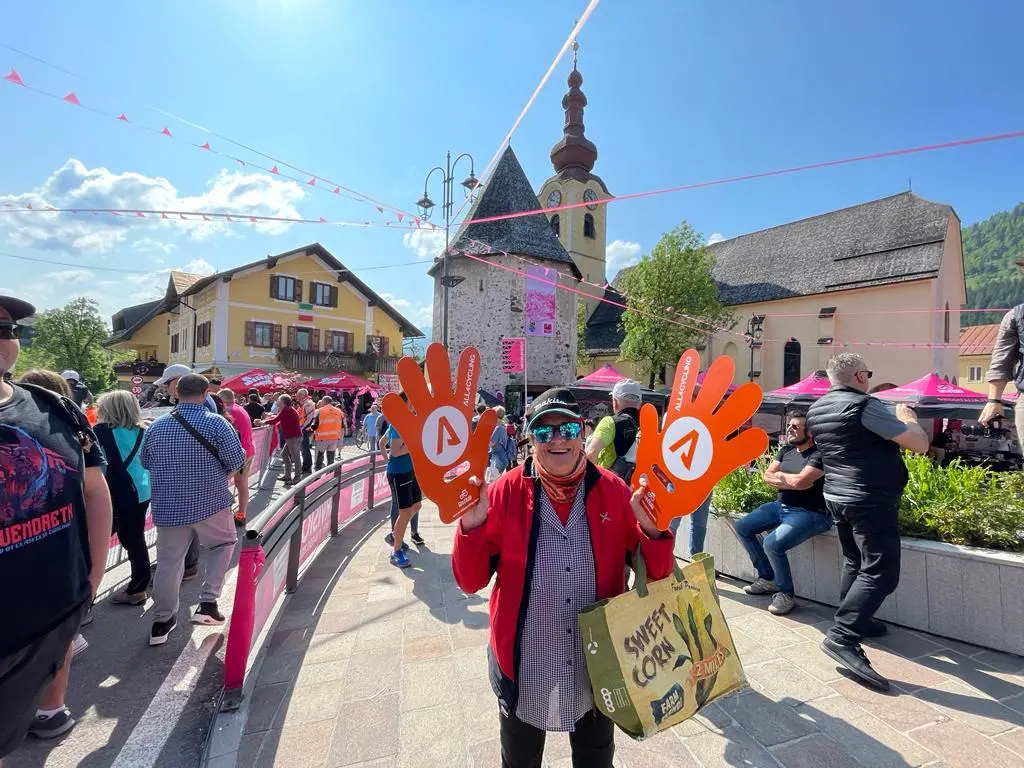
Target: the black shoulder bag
pixel 210 447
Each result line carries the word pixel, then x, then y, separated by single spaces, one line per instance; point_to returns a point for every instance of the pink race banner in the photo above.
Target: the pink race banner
pixel 261 438
pixel 513 355
pixel 541 301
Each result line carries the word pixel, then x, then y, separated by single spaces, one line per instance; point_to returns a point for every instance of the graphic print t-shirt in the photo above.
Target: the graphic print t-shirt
pixel 44 560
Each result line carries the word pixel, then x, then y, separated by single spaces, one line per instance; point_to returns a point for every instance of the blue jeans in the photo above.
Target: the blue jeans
pixel 789 527
pixel 698 526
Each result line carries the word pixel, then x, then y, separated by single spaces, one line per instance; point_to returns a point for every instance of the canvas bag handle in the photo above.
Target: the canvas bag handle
pixel 640 567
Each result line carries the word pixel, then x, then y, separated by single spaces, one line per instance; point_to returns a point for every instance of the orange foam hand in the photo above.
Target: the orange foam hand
pixel 683 458
pixel 436 427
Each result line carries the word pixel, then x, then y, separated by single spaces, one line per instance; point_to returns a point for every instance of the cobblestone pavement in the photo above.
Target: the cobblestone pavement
pixel 371 666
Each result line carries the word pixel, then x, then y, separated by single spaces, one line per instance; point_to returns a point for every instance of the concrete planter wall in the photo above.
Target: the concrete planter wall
pixel 964 593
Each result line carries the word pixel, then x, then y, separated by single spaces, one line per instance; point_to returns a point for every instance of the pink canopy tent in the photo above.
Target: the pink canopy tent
pixel 931 390
pixel 605 376
pixel 340 381
pixel 810 388
pixel 262 381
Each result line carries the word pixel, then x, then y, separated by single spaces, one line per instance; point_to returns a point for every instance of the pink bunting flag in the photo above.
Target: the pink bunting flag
pixel 14 77
pixel 163 215
pixel 433 225
pixel 94 213
pixel 29 206
pixel 205 217
pixel 72 99
pixel 50 208
pixel 323 220
pixel 312 182
pixel 379 209
pixel 337 190
pixel 274 170
pixel 167 132
pixel 400 217
pixel 140 215
pixel 206 146
pixel 417 223
pixel 123 117
pixel 182 216
pixel 114 213
pixel 252 219
pixel 227 217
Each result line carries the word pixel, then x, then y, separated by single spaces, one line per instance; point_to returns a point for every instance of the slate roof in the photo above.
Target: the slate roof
pixel 604 328
pixel 133 317
pixel 978 339
pixel 885 241
pixel 892 240
pixel 509 191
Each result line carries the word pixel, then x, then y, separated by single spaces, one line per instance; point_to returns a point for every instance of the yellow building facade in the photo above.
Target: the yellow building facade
pixel 976 344
pixel 301 310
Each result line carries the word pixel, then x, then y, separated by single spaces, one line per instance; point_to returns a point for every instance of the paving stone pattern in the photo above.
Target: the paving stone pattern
pixel 372 666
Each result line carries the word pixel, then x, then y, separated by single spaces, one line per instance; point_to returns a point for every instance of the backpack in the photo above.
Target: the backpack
pixel 627 434
pixel 70 414
pixel 123 493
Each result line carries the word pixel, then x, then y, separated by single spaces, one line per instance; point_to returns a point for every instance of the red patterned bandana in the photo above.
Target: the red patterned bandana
pixel 561 489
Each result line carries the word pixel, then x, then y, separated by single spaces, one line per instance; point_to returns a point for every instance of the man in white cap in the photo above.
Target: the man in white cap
pixel 170 380
pixel 55 521
pixel 612 445
pixel 79 392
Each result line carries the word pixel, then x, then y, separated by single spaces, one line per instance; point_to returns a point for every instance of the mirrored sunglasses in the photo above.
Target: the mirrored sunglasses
pixel 571 430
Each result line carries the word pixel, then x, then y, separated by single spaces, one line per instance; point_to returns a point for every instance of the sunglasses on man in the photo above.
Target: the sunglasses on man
pixel 10 331
pixel 571 430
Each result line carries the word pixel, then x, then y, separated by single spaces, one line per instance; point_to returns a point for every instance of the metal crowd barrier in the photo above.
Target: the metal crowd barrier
pixel 282 541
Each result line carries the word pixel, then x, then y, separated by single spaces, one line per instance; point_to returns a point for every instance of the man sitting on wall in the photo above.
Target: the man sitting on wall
pixel 798 513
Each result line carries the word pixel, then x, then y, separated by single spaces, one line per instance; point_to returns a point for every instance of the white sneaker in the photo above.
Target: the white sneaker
pixel 781 604
pixel 761 587
pixel 78 645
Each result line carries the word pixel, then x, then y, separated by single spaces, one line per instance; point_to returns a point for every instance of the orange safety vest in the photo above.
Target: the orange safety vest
pixel 330 424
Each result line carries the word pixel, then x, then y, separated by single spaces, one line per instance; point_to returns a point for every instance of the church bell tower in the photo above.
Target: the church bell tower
pixel 581 230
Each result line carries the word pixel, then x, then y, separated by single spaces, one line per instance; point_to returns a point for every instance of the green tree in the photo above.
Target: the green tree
pixel 991 250
pixel 72 337
pixel 673 302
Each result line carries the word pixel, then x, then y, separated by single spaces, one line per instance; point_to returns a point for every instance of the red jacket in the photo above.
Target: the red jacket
pixel 506 545
pixel 289 420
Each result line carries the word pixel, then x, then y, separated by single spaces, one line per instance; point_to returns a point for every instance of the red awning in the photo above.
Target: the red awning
pixel 340 381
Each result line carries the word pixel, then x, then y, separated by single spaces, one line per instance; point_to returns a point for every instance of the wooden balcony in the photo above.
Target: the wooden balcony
pixel 349 362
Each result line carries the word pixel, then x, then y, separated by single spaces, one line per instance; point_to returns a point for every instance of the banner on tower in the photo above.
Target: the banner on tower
pixel 541 301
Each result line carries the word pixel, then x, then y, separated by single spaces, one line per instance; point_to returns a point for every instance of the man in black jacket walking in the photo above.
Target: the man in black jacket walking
pixel 860 441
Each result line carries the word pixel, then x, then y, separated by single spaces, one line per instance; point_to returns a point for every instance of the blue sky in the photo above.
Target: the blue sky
pixel 372 94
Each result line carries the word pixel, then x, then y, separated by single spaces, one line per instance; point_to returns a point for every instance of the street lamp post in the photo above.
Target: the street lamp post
pixel 753 334
pixel 425 205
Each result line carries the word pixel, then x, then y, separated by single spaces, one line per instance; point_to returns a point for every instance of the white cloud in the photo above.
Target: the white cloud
pixel 621 253
pixel 717 237
pixel 199 266
pixel 147 244
pixel 70 276
pixel 73 185
pixel 418 312
pixel 426 242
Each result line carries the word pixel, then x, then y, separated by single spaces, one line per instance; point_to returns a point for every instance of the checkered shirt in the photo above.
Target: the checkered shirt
pixel 188 484
pixel 554 688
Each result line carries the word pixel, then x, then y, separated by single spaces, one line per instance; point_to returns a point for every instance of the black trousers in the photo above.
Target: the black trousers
pixel 307 454
pixel 320 458
pixel 593 742
pixel 870 540
pixel 130 526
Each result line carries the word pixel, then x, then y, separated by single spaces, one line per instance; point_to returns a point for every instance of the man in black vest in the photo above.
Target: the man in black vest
pixel 610 445
pixel 860 441
pixel 1006 365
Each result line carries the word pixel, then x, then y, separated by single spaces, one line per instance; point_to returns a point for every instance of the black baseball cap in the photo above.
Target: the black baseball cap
pixel 556 400
pixel 18 309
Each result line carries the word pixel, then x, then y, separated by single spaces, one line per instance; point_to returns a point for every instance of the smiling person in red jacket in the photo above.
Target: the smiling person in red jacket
pixel 557 531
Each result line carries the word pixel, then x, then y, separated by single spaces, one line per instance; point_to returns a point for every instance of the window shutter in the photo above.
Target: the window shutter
pixel 276 337
pixel 291 337
pixel 298 290
pixel 273 286
pixel 350 341
pixel 328 337
pixel 334 295
pixel 315 339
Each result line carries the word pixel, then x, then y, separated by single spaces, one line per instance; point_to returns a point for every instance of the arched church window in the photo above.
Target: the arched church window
pixel 945 334
pixel 588 226
pixel 791 362
pixel 556 225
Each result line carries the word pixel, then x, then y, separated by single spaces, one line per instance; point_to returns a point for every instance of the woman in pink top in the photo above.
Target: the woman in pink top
pixel 239 417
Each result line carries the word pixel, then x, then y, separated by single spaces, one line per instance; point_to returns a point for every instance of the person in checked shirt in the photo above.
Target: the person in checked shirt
pixel 191 454
pixel 557 531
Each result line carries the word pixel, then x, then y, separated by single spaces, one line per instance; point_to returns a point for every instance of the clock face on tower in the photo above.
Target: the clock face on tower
pixel 590 196
pixel 555 198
